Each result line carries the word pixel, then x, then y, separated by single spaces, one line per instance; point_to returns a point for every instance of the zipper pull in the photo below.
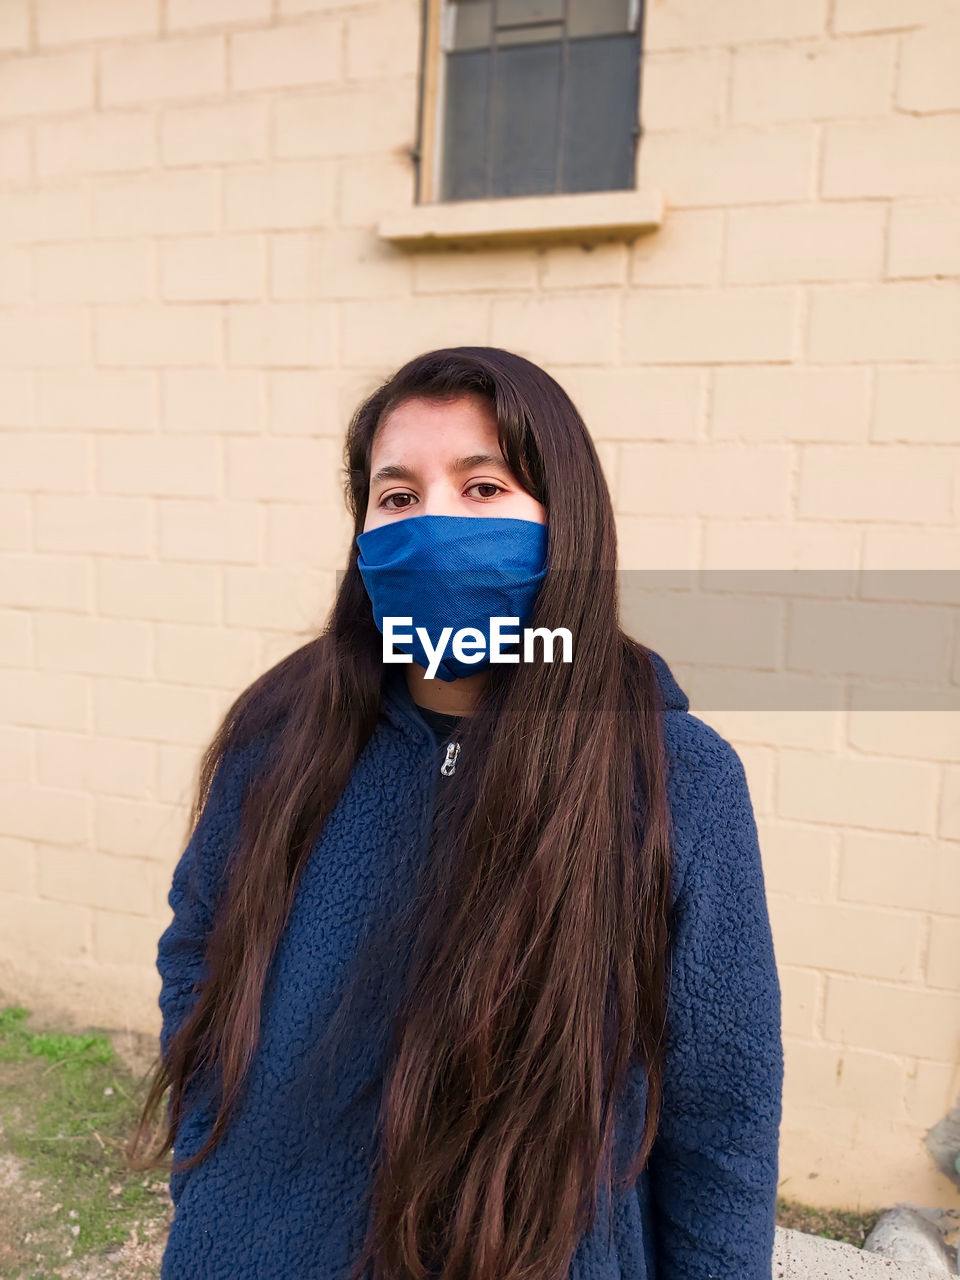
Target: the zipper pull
pixel 450 760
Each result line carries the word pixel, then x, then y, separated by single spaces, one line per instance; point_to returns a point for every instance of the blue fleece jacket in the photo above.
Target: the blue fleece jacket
pixel 282 1196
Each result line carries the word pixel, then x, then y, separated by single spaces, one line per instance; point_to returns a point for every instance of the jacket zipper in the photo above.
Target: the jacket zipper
pixel 449 766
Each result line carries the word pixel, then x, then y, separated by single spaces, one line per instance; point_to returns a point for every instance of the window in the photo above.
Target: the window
pixel 530 97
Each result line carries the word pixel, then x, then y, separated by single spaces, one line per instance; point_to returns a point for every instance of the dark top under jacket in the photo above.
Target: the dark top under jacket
pixel 283 1193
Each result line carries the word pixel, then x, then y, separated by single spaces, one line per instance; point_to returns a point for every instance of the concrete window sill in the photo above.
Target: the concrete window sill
pixel 593 215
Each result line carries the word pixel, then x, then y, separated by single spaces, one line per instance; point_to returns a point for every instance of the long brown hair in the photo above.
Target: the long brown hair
pixel 538 963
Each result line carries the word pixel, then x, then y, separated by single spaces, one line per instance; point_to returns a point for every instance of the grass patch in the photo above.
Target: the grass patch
pixel 68 1105
pixel 846 1225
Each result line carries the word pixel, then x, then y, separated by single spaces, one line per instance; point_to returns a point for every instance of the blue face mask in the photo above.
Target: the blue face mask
pixel 453 571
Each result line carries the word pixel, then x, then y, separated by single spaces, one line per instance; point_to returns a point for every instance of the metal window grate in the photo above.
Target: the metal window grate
pixel 539 96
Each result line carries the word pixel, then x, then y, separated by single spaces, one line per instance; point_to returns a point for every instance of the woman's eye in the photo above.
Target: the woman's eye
pixel 488 484
pixel 395 495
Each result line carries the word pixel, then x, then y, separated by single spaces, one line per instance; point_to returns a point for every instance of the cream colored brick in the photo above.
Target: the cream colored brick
pixel 873 869
pixel 58 464
pixel 373 185
pixel 844 1076
pixel 16 397
pixel 797 861
pixel 45 83
pixel 568 266
pixel 899 155
pixel 353 264
pixel 910 548
pixel 290 7
pixel 15 278
pixel 16 534
pixel 774 546
pixel 291 601
pixel 774 83
pixel 708 479
pixel 218 532
pixel 46 337
pixel 930 1091
pixel 730 166
pixel 104 271
pixel 94 524
pixel 163 70
pixel 137 828
pixel 14 152
pixel 687 249
pixel 191 14
pixel 636 403
pixel 37 931
pixel 84 762
pixel 212 268
pixel 92 879
pixel 805 242
pixel 800 990
pixel 384 43
pixel 45 699
pixel 159 591
pixel 943 953
pixel 917 405
pixel 884 15
pixel 18 870
pixel 893 321
pixel 78 644
pixel 308 534
pixel 162 466
pixel 489 270
pixel 346 122
pixel 948 824
pixel 858 940
pixel 687 23
pixel 16 753
pixel 214 401
pixel 66 22
pixel 304 402
pixel 790 403
pixel 58 212
pixel 281 334
pixel 284 469
pixel 289 56
pixel 928 77
pixel 880 794
pixel 906 643
pixel 171 334
pixel 924 239
pixel 45 813
pixel 108 143
pixel 152 711
pixel 284 196
pixel 901 1019
pixel 686 90
pixel 723 631
pixel 652 544
pixel 15 25
pixel 43 582
pixel 222 133
pixel 211 657
pixel 96 400
pixel 916 734
pixel 123 939
pixel 170 203
pixel 576 329
pixel 863 482
pixel 709 326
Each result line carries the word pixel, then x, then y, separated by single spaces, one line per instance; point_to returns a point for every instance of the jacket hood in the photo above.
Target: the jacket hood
pixel 398 702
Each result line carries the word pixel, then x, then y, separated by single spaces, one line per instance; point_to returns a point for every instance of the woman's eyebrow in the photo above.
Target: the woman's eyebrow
pixel 397 471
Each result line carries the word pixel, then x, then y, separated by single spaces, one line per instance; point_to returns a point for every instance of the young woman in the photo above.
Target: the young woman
pixel 470 974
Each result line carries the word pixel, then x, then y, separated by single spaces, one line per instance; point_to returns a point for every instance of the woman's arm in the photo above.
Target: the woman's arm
pixel 197 883
pixel 714 1165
